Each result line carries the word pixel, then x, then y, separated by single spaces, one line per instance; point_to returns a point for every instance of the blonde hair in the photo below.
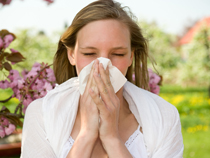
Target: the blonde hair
pixel 100 10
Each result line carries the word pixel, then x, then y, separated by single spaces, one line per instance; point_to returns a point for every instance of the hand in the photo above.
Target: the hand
pixel 88 110
pixel 107 103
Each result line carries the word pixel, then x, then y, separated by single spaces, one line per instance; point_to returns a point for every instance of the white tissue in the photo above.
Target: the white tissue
pixel 116 77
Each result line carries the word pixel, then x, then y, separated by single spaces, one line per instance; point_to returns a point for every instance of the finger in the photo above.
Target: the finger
pixel 106 79
pixel 89 82
pixel 98 102
pixel 108 85
pixel 93 85
pixel 103 91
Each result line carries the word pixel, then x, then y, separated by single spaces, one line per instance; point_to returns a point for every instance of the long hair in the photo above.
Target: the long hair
pixel 101 10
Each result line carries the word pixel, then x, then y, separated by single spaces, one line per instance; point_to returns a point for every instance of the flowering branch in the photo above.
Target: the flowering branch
pixel 32 85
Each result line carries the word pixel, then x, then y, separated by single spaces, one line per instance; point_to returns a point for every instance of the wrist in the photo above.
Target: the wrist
pixel 87 135
pixel 85 143
pixel 119 147
pixel 111 142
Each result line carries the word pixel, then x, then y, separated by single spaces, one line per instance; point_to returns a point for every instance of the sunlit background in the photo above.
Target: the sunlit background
pixel 178 33
pixel 171 15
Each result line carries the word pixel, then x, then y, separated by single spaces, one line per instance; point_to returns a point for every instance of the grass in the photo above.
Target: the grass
pixel 196 145
pixel 193 105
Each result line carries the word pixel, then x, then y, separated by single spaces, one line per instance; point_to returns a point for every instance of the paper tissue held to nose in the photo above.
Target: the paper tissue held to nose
pixel 116 77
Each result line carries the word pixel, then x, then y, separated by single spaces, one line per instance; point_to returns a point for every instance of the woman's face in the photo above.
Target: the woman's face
pixel 103 38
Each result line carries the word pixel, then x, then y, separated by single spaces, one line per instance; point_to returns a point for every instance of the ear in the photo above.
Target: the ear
pixel 131 58
pixel 71 56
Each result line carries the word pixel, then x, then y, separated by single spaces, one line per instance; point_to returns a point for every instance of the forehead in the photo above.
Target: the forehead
pixel 110 31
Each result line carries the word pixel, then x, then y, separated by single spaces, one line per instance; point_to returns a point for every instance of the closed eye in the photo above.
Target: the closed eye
pixel 89 54
pixel 119 54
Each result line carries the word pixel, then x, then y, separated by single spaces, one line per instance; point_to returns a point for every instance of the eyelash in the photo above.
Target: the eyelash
pixel 91 54
pixel 121 55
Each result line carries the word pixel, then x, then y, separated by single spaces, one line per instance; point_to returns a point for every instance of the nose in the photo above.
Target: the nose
pixel 104 54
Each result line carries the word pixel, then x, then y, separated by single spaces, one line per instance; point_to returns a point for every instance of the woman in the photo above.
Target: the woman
pixel 101 123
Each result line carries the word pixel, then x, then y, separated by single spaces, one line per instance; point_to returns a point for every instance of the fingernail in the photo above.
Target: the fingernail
pixel 97 74
pixel 91 90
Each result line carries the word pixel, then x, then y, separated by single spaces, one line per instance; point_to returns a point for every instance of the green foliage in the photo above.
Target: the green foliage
pixel 161 48
pixel 12 103
pixel 35 47
pixel 196 68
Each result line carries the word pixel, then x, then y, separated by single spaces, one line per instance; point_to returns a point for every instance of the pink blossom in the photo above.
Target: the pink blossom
pixel 154 88
pixel 5 2
pixel 37 94
pixel 2 132
pixel 24 73
pixel 7 40
pixel 24 109
pixel 27 100
pixel 13 84
pixel 4 84
pixel 17 93
pixel 9 129
pixel 4 121
pixel 157 90
pixel 133 76
pixel 14 75
pixel 1 43
pixel 38 88
pixel 34 71
pixel 13 50
pixel 36 65
pixel 21 83
pixel 153 77
pixel 37 85
pixel 50 75
pixel 47 87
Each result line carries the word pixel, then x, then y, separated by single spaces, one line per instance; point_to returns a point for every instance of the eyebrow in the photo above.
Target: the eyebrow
pixel 88 47
pixel 115 48
pixel 119 48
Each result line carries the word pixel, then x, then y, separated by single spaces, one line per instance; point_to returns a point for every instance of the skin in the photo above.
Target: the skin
pixel 110 39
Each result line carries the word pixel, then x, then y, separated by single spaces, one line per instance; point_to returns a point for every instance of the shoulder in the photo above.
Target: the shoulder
pixel 33 119
pixel 35 107
pixel 165 108
pixel 34 112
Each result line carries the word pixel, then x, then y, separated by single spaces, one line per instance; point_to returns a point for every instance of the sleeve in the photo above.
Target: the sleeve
pixel 170 141
pixel 34 142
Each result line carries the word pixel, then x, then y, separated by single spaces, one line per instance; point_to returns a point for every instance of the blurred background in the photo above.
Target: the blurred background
pixel 178 32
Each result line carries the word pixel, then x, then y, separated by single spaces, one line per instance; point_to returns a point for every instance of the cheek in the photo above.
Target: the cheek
pixel 121 65
pixel 81 63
